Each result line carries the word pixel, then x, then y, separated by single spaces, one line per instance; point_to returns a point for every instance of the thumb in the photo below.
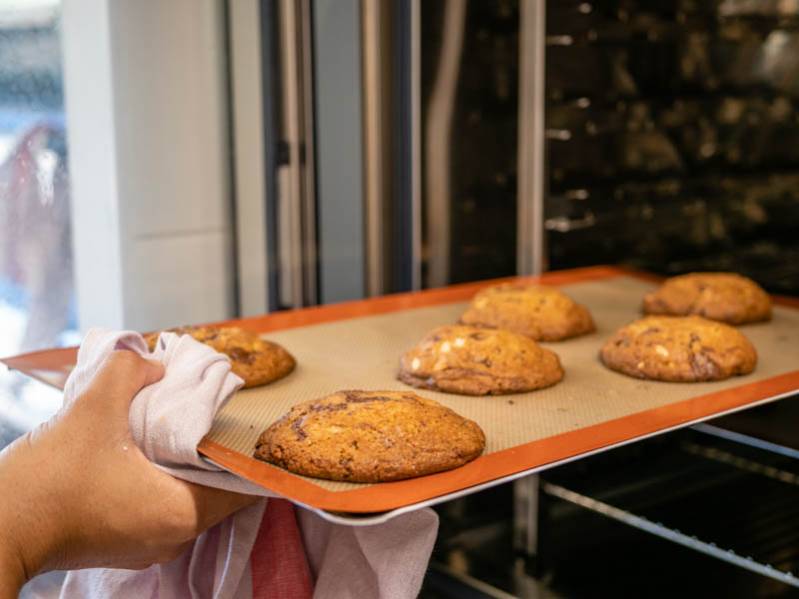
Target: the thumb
pixel 123 374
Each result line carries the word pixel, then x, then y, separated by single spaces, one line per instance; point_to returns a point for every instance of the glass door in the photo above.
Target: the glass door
pixel 36 281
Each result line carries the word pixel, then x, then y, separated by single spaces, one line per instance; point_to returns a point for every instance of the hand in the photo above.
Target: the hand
pixel 78 493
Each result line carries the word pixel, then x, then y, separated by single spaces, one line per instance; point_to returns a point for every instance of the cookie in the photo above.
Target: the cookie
pixel 255 360
pixel 476 361
pixel 536 311
pixel 370 437
pixel 679 348
pixel 725 297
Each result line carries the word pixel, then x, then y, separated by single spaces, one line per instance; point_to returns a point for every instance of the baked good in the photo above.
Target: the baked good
pixel 722 296
pixel 475 361
pixel 369 437
pixel 255 360
pixel 536 311
pixel 679 348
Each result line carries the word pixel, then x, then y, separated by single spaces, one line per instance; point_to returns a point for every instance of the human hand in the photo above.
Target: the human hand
pixel 78 493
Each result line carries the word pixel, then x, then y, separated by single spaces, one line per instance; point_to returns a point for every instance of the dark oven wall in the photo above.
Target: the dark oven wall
pixel 478 208
pixel 673 136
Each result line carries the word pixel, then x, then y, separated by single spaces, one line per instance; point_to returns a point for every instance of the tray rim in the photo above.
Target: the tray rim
pixel 390 499
pixel 355 519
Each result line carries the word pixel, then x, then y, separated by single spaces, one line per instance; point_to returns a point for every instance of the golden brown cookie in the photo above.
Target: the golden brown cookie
pixel 475 361
pixel 369 437
pixel 255 360
pixel 536 311
pixel 726 297
pixel 679 348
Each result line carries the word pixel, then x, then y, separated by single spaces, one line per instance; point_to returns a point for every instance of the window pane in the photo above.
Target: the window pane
pixel 36 287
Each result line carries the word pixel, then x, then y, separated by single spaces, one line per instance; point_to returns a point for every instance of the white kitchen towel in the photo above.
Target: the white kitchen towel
pixel 197 381
pixel 389 560
pixel 392 557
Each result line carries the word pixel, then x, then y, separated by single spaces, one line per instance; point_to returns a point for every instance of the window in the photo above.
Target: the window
pixel 36 282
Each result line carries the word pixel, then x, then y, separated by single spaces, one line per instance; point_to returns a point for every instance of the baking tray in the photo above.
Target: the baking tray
pixel 358 344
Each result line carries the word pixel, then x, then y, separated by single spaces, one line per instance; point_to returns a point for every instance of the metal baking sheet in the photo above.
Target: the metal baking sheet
pixel 591 410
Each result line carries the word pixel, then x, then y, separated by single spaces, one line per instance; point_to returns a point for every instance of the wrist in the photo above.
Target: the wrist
pixel 12 568
pixel 26 533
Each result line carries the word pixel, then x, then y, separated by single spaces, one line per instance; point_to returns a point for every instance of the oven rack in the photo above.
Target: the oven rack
pixel 700 495
pixel 673 535
pixel 729 496
pixel 744 439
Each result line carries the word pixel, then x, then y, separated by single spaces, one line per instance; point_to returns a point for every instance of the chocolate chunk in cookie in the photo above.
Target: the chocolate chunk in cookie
pixel 679 348
pixel 477 361
pixel 254 359
pixel 370 436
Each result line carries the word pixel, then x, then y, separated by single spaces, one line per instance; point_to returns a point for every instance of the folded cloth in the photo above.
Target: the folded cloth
pixel 197 381
pixel 384 561
pixel 259 551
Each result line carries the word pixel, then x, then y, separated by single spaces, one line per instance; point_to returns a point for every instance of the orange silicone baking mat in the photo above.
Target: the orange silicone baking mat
pixel 358 344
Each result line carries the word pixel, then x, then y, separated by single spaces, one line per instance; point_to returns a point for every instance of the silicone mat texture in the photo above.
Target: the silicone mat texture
pixel 363 353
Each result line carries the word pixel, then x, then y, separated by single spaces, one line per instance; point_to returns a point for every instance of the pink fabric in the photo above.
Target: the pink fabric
pixel 278 564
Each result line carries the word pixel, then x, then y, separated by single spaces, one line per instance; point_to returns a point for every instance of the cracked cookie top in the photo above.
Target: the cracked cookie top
pixel 725 297
pixel 370 436
pixel 679 348
pixel 478 361
pixel 536 311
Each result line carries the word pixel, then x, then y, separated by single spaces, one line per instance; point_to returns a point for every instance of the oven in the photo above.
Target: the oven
pixel 501 137
pixel 347 149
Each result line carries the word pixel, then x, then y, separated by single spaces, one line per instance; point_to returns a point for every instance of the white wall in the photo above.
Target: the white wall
pixel 149 161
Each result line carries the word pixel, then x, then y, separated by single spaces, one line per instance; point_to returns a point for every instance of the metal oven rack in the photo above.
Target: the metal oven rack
pixel 730 496
pixel 688 540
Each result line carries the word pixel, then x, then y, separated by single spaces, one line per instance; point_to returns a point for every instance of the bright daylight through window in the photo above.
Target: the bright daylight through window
pixel 36 282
